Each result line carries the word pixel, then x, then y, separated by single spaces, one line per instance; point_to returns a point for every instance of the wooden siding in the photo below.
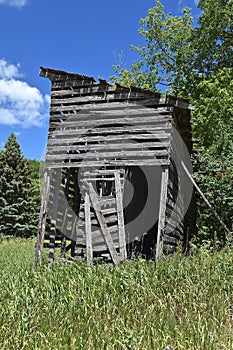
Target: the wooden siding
pixel 95 125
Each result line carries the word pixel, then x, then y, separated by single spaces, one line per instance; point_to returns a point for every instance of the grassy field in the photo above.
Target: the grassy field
pixel 184 302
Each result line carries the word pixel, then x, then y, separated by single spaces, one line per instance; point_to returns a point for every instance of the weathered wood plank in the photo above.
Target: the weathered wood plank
pixel 154 137
pixel 100 178
pixel 105 155
pixel 42 219
pixel 108 219
pixel 107 201
pixel 104 95
pixel 104 99
pixel 89 249
pixel 103 146
pixel 110 130
pixel 156 122
pixel 137 162
pixel 93 89
pixel 103 248
pixel 97 232
pixel 74 226
pixel 116 112
pixel 52 241
pixel 162 213
pixel 120 216
pixel 106 211
pixel 63 246
pixel 97 171
pixel 116 107
pixel 52 210
pixel 106 234
pixel 97 236
pixel 53 149
pixel 153 102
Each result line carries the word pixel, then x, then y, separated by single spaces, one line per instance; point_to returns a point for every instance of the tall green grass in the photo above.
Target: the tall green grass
pixel 184 302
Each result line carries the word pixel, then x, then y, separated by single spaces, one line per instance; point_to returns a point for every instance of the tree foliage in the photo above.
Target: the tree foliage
pixel 179 54
pixel 18 208
pixel 195 61
pixel 214 112
pixel 214 174
pixel 214 36
pixel 167 55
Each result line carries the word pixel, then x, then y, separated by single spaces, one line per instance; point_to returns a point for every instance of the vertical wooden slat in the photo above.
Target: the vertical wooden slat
pixel 52 240
pixel 66 193
pixel 64 220
pixel 42 219
pixel 77 204
pixel 162 213
pixel 63 246
pixel 54 194
pixel 89 248
pixel 120 217
pixel 106 234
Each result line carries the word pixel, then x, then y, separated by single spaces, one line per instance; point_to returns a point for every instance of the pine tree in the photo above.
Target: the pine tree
pixel 18 210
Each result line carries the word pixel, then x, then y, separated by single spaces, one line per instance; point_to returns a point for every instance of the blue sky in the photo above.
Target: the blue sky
pixel 78 36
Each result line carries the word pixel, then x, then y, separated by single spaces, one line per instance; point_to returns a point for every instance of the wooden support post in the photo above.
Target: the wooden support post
pixel 120 217
pixel 75 251
pixel 53 199
pixel 106 234
pixel 52 241
pixel 63 246
pixel 89 248
pixel 162 213
pixel 42 219
pixel 66 193
pixel 77 202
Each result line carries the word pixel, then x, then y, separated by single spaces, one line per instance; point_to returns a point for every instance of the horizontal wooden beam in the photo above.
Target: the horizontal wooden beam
pixel 123 153
pixel 96 112
pixel 100 95
pixel 102 138
pixel 53 149
pixel 100 163
pixel 156 121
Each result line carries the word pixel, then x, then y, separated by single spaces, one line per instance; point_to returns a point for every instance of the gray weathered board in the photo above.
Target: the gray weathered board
pixel 93 126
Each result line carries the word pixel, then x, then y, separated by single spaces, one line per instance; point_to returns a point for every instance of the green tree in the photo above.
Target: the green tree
pixel 214 112
pixel 167 56
pixel 35 167
pixel 179 54
pixel 214 36
pixel 195 61
pixel 18 210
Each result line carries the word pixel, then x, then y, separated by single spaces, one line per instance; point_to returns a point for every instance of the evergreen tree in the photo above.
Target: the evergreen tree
pixel 35 172
pixel 18 211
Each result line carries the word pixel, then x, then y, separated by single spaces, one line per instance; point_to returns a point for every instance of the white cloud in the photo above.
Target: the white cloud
pixel 20 103
pixel 7 118
pixel 8 71
pixel 15 3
